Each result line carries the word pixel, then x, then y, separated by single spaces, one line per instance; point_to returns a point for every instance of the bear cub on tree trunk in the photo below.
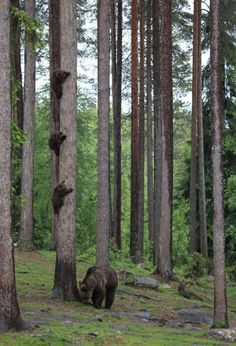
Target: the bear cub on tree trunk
pixel 55 141
pixel 58 77
pixel 99 283
pixel 59 193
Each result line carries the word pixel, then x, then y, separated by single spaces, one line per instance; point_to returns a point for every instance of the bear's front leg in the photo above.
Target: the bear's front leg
pixel 97 298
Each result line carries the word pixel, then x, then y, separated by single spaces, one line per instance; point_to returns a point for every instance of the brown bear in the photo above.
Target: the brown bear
pixel 55 141
pixel 59 193
pixel 99 283
pixel 58 77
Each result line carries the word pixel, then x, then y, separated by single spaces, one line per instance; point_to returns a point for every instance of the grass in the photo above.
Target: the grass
pixel 61 324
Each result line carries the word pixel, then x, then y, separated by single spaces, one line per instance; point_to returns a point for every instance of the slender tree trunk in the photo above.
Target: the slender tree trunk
pixel 220 301
pixel 134 134
pixel 26 234
pixel 55 63
pixel 103 199
pixel 16 75
pixel 141 135
pixel 9 310
pixel 150 193
pixel 194 131
pixel 65 286
pixel 166 137
pixel 116 90
pixel 201 161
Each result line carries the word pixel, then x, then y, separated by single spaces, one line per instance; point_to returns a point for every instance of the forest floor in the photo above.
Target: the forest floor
pixel 139 316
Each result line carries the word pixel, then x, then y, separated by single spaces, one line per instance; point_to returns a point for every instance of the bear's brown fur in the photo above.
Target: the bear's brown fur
pixel 55 141
pixel 59 193
pixel 58 77
pixel 99 283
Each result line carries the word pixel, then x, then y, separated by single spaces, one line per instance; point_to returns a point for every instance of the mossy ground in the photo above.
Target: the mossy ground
pixel 60 324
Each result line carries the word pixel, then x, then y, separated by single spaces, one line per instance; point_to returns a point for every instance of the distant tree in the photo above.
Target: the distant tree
pixel 220 300
pixel 9 310
pixel 149 126
pixel 26 233
pixel 134 134
pixel 116 23
pixel 55 63
pixel 103 198
pixel 141 138
pixel 65 286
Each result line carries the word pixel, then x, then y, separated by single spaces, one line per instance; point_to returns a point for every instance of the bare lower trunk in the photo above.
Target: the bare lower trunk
pixel 220 301
pixel 65 286
pixel 9 310
pixel 26 234
pixel 103 200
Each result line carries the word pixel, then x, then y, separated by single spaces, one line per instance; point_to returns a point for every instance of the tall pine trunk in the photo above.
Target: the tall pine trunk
pixel 165 139
pixel 9 310
pixel 26 234
pixel 220 301
pixel 103 198
pixel 141 133
pixel 134 134
pixel 65 285
pixel 55 63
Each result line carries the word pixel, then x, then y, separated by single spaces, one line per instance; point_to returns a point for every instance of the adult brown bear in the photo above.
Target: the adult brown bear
pixel 99 283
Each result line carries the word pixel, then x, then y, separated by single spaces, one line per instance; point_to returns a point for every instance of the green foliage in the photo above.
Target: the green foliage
pixel 33 28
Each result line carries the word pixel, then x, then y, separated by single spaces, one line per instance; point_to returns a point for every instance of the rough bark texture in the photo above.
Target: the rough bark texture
pixel 65 286
pixel 201 163
pixel 9 310
pixel 194 132
pixel 165 134
pixel 141 133
pixel 150 193
pixel 220 301
pixel 55 63
pixel 26 234
pixel 116 91
pixel 103 200
pixel 134 133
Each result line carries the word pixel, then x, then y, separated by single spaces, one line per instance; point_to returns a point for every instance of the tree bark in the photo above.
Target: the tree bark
pixel 9 310
pixel 134 134
pixel 55 63
pixel 220 301
pixel 194 131
pixel 165 134
pixel 116 91
pixel 150 187
pixel 26 234
pixel 141 139
pixel 103 199
pixel 65 286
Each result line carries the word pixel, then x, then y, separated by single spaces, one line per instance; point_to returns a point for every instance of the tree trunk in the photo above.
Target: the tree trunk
pixel 103 200
pixel 9 310
pixel 201 163
pixel 150 194
pixel 55 63
pixel 134 134
pixel 194 131
pixel 165 134
pixel 141 135
pixel 65 286
pixel 116 91
pixel 220 301
pixel 26 234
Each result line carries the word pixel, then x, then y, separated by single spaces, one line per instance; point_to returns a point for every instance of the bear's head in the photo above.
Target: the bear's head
pixel 85 292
